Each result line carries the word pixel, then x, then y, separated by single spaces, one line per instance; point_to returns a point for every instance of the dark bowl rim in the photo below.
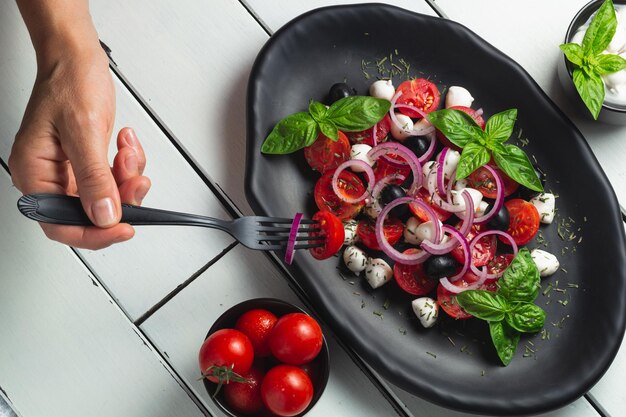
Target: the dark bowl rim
pixel 325 352
pixel 585 12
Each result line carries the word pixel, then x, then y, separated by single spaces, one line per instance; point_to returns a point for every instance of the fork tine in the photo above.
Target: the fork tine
pixel 281 238
pixel 309 246
pixel 273 220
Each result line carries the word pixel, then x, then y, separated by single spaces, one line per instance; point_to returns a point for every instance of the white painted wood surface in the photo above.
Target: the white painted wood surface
pixel 230 281
pixel 530 32
pixel 65 348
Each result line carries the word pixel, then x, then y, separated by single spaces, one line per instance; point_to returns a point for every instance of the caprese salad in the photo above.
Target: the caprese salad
pixel 435 199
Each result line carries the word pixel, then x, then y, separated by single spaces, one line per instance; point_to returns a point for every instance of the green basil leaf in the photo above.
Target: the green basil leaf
pixel 590 88
pixel 356 113
pixel 520 281
pixel 456 125
pixel 474 155
pixel 329 129
pixel 573 52
pixel 505 339
pixel 290 134
pixel 500 126
pixel 482 304
pixel 318 111
pixel 609 63
pixel 526 317
pixel 515 163
pixel 600 30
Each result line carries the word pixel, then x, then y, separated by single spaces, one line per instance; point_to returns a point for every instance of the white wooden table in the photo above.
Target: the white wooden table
pixel 87 333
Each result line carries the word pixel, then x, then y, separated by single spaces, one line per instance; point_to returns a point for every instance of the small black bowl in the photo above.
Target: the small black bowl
pixel 321 364
pixel 610 113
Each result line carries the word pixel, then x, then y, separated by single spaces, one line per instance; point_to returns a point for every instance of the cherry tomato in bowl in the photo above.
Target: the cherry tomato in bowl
pixel 279 308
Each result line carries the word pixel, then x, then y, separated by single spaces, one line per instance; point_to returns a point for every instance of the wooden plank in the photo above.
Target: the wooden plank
pixel 530 32
pixel 241 275
pixel 66 348
pixel 140 272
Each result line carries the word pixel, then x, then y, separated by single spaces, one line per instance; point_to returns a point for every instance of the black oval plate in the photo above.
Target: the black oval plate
pixel 453 365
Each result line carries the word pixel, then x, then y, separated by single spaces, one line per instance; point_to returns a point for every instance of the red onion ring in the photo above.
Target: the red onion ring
pixel 431 148
pixel 443 248
pixel 291 243
pixel 384 181
pixel 487 233
pixel 370 180
pixel 392 113
pixel 395 98
pixel 460 239
pixel 374 132
pixel 406 259
pixel 482 277
pixel 479 112
pixel 437 200
pixel 407 155
pixel 441 189
pixel 497 204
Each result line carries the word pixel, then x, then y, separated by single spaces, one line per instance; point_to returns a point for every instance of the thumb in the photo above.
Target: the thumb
pixel 96 186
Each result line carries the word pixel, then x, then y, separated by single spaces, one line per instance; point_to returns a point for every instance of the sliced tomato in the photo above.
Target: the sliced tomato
pixel 327 200
pixel 473 114
pixel 387 165
pixel 412 278
pixel 365 136
pixel 331 228
pixel 447 300
pixel 423 195
pixel 484 250
pixel 392 230
pixel 483 181
pixel 499 263
pixel 326 153
pixel 524 220
pixel 420 93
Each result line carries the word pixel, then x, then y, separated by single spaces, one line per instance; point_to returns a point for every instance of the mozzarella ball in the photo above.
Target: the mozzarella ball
pixel 450 162
pixel 615 79
pixel 373 209
pixel 427 310
pixel 425 231
pixel 404 130
pixel 359 151
pixel 377 272
pixel 482 208
pixel 578 36
pixel 382 89
pixel 426 168
pixel 421 125
pixel 458 200
pixel 545 205
pixel 458 96
pixel 409 231
pixel 349 232
pixel 355 259
pixel 460 184
pixel 547 263
pixel 619 40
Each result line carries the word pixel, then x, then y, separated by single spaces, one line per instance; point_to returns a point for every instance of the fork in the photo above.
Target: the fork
pixel 254 232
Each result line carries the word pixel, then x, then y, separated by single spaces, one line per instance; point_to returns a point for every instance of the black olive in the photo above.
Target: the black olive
pixel 390 193
pixel 338 91
pixel 501 220
pixel 439 266
pixel 527 193
pixel 418 144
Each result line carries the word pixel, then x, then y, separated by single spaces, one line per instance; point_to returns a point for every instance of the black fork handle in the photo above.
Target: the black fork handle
pixel 68 210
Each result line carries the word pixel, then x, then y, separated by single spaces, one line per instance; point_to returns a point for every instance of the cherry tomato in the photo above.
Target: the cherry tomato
pixel 420 93
pixel 412 278
pixel 484 250
pixel 386 165
pixel 392 230
pixel 524 222
pixel 245 397
pixel 327 200
pixel 473 114
pixel 257 325
pixel 224 352
pixel 483 181
pixel 423 195
pixel 332 230
pixel 447 300
pixel 296 339
pixel 365 136
pixel 325 153
pixel 499 263
pixel 286 390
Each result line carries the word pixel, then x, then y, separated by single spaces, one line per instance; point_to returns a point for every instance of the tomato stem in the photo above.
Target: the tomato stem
pixel 224 375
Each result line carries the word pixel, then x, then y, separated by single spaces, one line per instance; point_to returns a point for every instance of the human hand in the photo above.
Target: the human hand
pixel 62 146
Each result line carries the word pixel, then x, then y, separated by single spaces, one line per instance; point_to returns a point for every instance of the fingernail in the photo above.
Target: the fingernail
pixel 103 212
pixel 132 163
pixel 131 138
pixel 140 194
